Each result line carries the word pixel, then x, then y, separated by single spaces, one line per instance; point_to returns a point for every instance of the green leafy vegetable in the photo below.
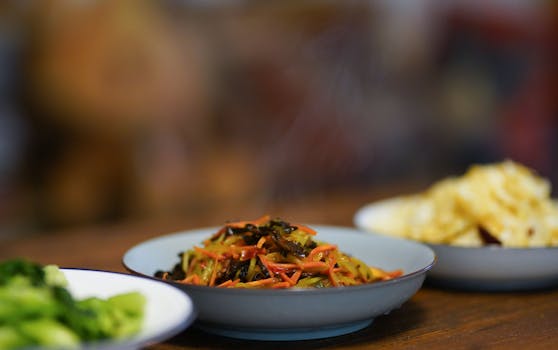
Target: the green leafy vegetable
pixel 36 309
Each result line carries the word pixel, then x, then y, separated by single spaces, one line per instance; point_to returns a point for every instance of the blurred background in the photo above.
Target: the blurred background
pixel 123 110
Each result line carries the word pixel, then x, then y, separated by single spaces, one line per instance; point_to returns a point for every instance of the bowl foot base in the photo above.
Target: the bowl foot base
pixel 283 334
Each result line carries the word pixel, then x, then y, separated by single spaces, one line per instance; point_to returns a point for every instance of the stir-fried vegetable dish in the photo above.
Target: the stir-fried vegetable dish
pixel 38 311
pixel 270 253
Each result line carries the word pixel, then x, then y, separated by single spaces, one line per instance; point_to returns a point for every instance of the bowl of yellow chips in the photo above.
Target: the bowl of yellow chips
pixel 493 228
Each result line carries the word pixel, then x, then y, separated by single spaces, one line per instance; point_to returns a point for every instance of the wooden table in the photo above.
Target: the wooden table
pixel 432 319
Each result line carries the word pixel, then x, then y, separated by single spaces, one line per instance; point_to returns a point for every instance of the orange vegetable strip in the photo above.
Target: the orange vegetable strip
pixel 343 271
pixel 332 279
pixel 234 283
pixel 305 229
pixel 243 252
pixel 330 273
pixel 242 224
pixel 279 267
pixel 265 263
pixel 393 274
pixel 263 282
pixel 296 276
pixel 225 284
pixel 208 253
pixel 228 283
pixel 193 279
pixel 239 248
pixel 314 265
pixel 285 277
pixel 191 266
pixel 322 248
pixel 187 279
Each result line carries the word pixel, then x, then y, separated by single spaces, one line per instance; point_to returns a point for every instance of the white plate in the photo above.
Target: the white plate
pixel 295 314
pixel 490 268
pixel 168 310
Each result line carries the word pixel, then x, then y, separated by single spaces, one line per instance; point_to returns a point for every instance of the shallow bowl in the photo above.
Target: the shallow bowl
pixel 294 314
pixel 489 268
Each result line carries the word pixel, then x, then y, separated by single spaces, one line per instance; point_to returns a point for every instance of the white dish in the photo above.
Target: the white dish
pixel 295 314
pixel 490 268
pixel 168 310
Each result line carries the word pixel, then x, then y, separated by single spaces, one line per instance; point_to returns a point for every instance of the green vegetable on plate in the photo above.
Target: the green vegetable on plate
pixel 37 310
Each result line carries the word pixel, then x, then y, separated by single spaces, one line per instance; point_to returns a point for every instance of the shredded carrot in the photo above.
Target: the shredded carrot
pixel 207 252
pixel 242 224
pixel 314 265
pixel 228 283
pixel 265 263
pixel 321 249
pixel 193 279
pixel 266 255
pixel 262 282
pixel 345 272
pixel 332 279
pixel 225 284
pixel 393 274
pixel 332 260
pixel 285 277
pixel 279 267
pixel 295 277
pixel 306 229
pixel 244 252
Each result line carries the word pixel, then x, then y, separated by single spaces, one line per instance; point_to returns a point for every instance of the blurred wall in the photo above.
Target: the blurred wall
pixel 113 110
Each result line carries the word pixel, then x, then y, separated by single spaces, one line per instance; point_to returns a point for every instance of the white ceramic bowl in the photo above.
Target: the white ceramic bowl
pixel 490 268
pixel 168 310
pixel 294 314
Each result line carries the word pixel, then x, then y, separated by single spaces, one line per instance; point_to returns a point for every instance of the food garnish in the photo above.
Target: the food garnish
pixel 270 253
